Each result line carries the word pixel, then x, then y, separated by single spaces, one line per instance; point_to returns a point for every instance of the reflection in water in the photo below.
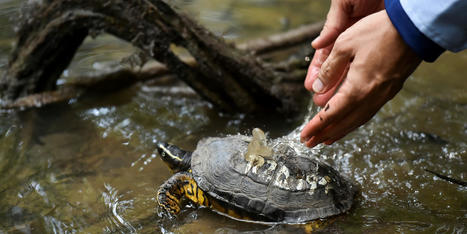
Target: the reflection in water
pixel 89 166
pixel 143 161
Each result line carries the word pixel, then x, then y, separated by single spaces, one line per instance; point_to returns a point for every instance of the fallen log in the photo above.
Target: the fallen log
pixel 123 78
pixel 231 78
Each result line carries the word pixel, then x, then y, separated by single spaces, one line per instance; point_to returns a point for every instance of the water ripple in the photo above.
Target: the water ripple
pixel 116 208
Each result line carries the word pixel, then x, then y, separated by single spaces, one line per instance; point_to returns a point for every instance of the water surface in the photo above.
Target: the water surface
pixel 89 165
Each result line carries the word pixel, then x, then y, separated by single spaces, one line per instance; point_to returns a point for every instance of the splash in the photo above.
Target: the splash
pixel 293 138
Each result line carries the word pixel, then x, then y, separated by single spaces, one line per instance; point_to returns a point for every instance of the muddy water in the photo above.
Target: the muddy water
pixel 89 165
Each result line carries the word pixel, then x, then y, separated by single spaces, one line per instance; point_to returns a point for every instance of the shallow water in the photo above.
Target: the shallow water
pixel 89 165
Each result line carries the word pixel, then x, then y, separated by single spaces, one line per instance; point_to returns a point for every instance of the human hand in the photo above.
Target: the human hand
pixel 370 62
pixel 341 15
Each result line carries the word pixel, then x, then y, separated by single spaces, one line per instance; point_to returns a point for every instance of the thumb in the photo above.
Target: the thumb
pixel 313 70
pixel 336 22
pixel 332 70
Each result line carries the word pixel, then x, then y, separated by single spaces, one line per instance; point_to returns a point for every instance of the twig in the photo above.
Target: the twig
pixel 282 40
pixel 452 180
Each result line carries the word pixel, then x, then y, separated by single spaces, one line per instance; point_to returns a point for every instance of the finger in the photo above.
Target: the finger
pixel 339 130
pixel 313 70
pixel 332 115
pixel 362 104
pixel 342 135
pixel 336 22
pixel 336 131
pixel 321 99
pixel 336 109
pixel 332 69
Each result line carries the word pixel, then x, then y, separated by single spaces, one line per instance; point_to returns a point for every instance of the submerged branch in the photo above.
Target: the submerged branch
pixel 452 180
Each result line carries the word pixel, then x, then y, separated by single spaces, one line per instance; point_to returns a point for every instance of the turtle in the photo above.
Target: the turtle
pixel 281 187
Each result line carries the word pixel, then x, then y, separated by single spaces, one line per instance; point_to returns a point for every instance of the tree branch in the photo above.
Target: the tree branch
pixel 230 78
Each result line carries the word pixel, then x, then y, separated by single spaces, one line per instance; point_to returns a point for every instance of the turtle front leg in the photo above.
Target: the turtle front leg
pixel 181 185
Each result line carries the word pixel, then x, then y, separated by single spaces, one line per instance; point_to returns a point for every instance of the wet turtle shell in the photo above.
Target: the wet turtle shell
pixel 287 188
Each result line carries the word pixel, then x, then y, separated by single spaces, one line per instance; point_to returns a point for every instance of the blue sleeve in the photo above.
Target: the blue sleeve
pixel 425 48
pixel 430 26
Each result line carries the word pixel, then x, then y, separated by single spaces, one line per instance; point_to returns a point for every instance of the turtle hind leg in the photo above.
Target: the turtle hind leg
pixel 176 189
pixel 318 225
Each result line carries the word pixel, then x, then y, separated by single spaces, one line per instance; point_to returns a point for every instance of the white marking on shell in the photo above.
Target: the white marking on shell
pixel 301 184
pixel 248 167
pixel 272 168
pixel 268 172
pixel 323 181
pixel 255 169
pixel 311 178
pixel 282 183
pixel 313 186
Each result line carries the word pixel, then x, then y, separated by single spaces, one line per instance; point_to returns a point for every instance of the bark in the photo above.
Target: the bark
pixel 231 78
pixel 283 40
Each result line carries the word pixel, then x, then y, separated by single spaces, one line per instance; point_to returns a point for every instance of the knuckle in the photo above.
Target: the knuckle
pixel 342 44
pixel 325 71
pixel 343 37
pixel 330 27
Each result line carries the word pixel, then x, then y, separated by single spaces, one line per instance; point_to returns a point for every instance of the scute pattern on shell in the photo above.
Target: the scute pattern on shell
pixel 289 188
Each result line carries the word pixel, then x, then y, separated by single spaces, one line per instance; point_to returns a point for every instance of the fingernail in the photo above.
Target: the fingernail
pixel 316 39
pixel 317 86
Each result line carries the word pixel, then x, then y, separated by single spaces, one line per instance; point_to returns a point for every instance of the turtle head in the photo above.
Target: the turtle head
pixel 176 158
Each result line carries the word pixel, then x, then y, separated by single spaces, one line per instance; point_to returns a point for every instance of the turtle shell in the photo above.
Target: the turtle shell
pixel 288 188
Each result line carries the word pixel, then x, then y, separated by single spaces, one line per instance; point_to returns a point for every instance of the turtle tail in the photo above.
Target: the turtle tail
pixel 176 189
